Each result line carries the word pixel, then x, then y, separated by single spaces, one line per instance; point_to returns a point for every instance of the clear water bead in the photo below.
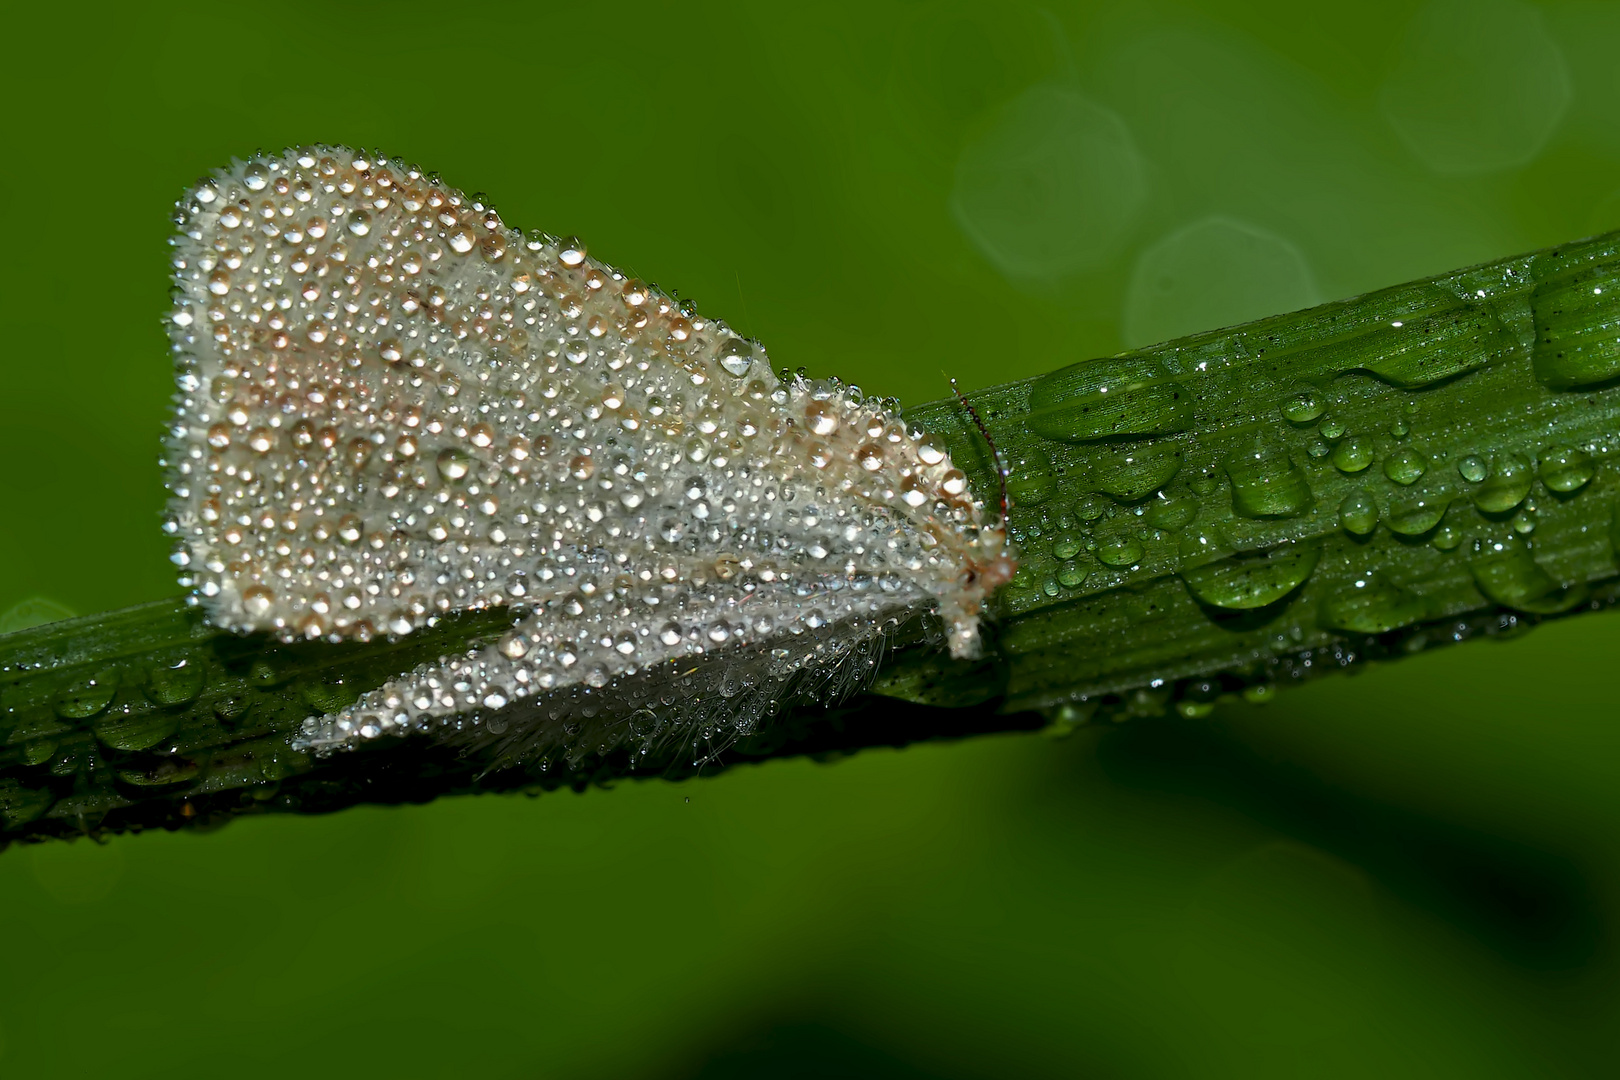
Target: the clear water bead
pixel 394 406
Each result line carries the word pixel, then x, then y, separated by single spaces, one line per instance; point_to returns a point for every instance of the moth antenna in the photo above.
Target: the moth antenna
pixel 1001 466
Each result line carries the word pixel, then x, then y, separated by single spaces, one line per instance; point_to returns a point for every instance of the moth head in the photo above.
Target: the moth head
pixel 990 566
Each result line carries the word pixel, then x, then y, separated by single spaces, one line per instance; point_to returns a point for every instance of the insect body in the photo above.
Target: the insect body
pixel 393 406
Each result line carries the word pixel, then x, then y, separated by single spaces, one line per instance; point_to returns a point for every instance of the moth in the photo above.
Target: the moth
pixel 393 406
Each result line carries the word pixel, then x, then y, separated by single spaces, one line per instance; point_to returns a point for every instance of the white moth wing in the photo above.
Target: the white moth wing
pixel 393 406
pixel 552 688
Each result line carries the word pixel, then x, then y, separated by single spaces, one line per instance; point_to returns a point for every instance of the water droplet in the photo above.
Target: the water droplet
pixel 1108 398
pixel 232 708
pixel 1413 513
pixel 20 803
pixel 1304 405
pixel 1447 538
pixel 1090 507
pixel 736 356
pixel 137 730
pixel 1370 604
pixel 1507 572
pixel 87 697
pixel 1358 513
pixel 1132 471
pixel 1066 547
pixel 821 417
pixel 1472 468
pixel 1245 582
pixel 453 464
pixel 1353 454
pixel 1424 349
pixel 1170 510
pixel 1266 482
pixel 1576 315
pixel 175 683
pixel 1031 480
pixel 1122 551
pixel 1505 485
pixel 166 772
pixel 571 252
pixel 1406 465
pixel 1260 693
pixel 931 450
pixel 1330 428
pixel 1200 545
pixel 1063 719
pixel 1566 468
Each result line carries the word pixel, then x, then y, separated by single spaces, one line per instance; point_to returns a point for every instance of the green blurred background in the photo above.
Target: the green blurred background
pixel 1415 872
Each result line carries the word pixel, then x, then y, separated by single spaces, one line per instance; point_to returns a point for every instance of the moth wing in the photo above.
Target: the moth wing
pixel 393 406
pixel 356 431
pixel 695 684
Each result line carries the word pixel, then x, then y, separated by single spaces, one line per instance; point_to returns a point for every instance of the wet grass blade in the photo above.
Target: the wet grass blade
pixel 1211 517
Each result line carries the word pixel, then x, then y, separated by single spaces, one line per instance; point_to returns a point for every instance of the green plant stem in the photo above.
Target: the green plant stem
pixel 1203 519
